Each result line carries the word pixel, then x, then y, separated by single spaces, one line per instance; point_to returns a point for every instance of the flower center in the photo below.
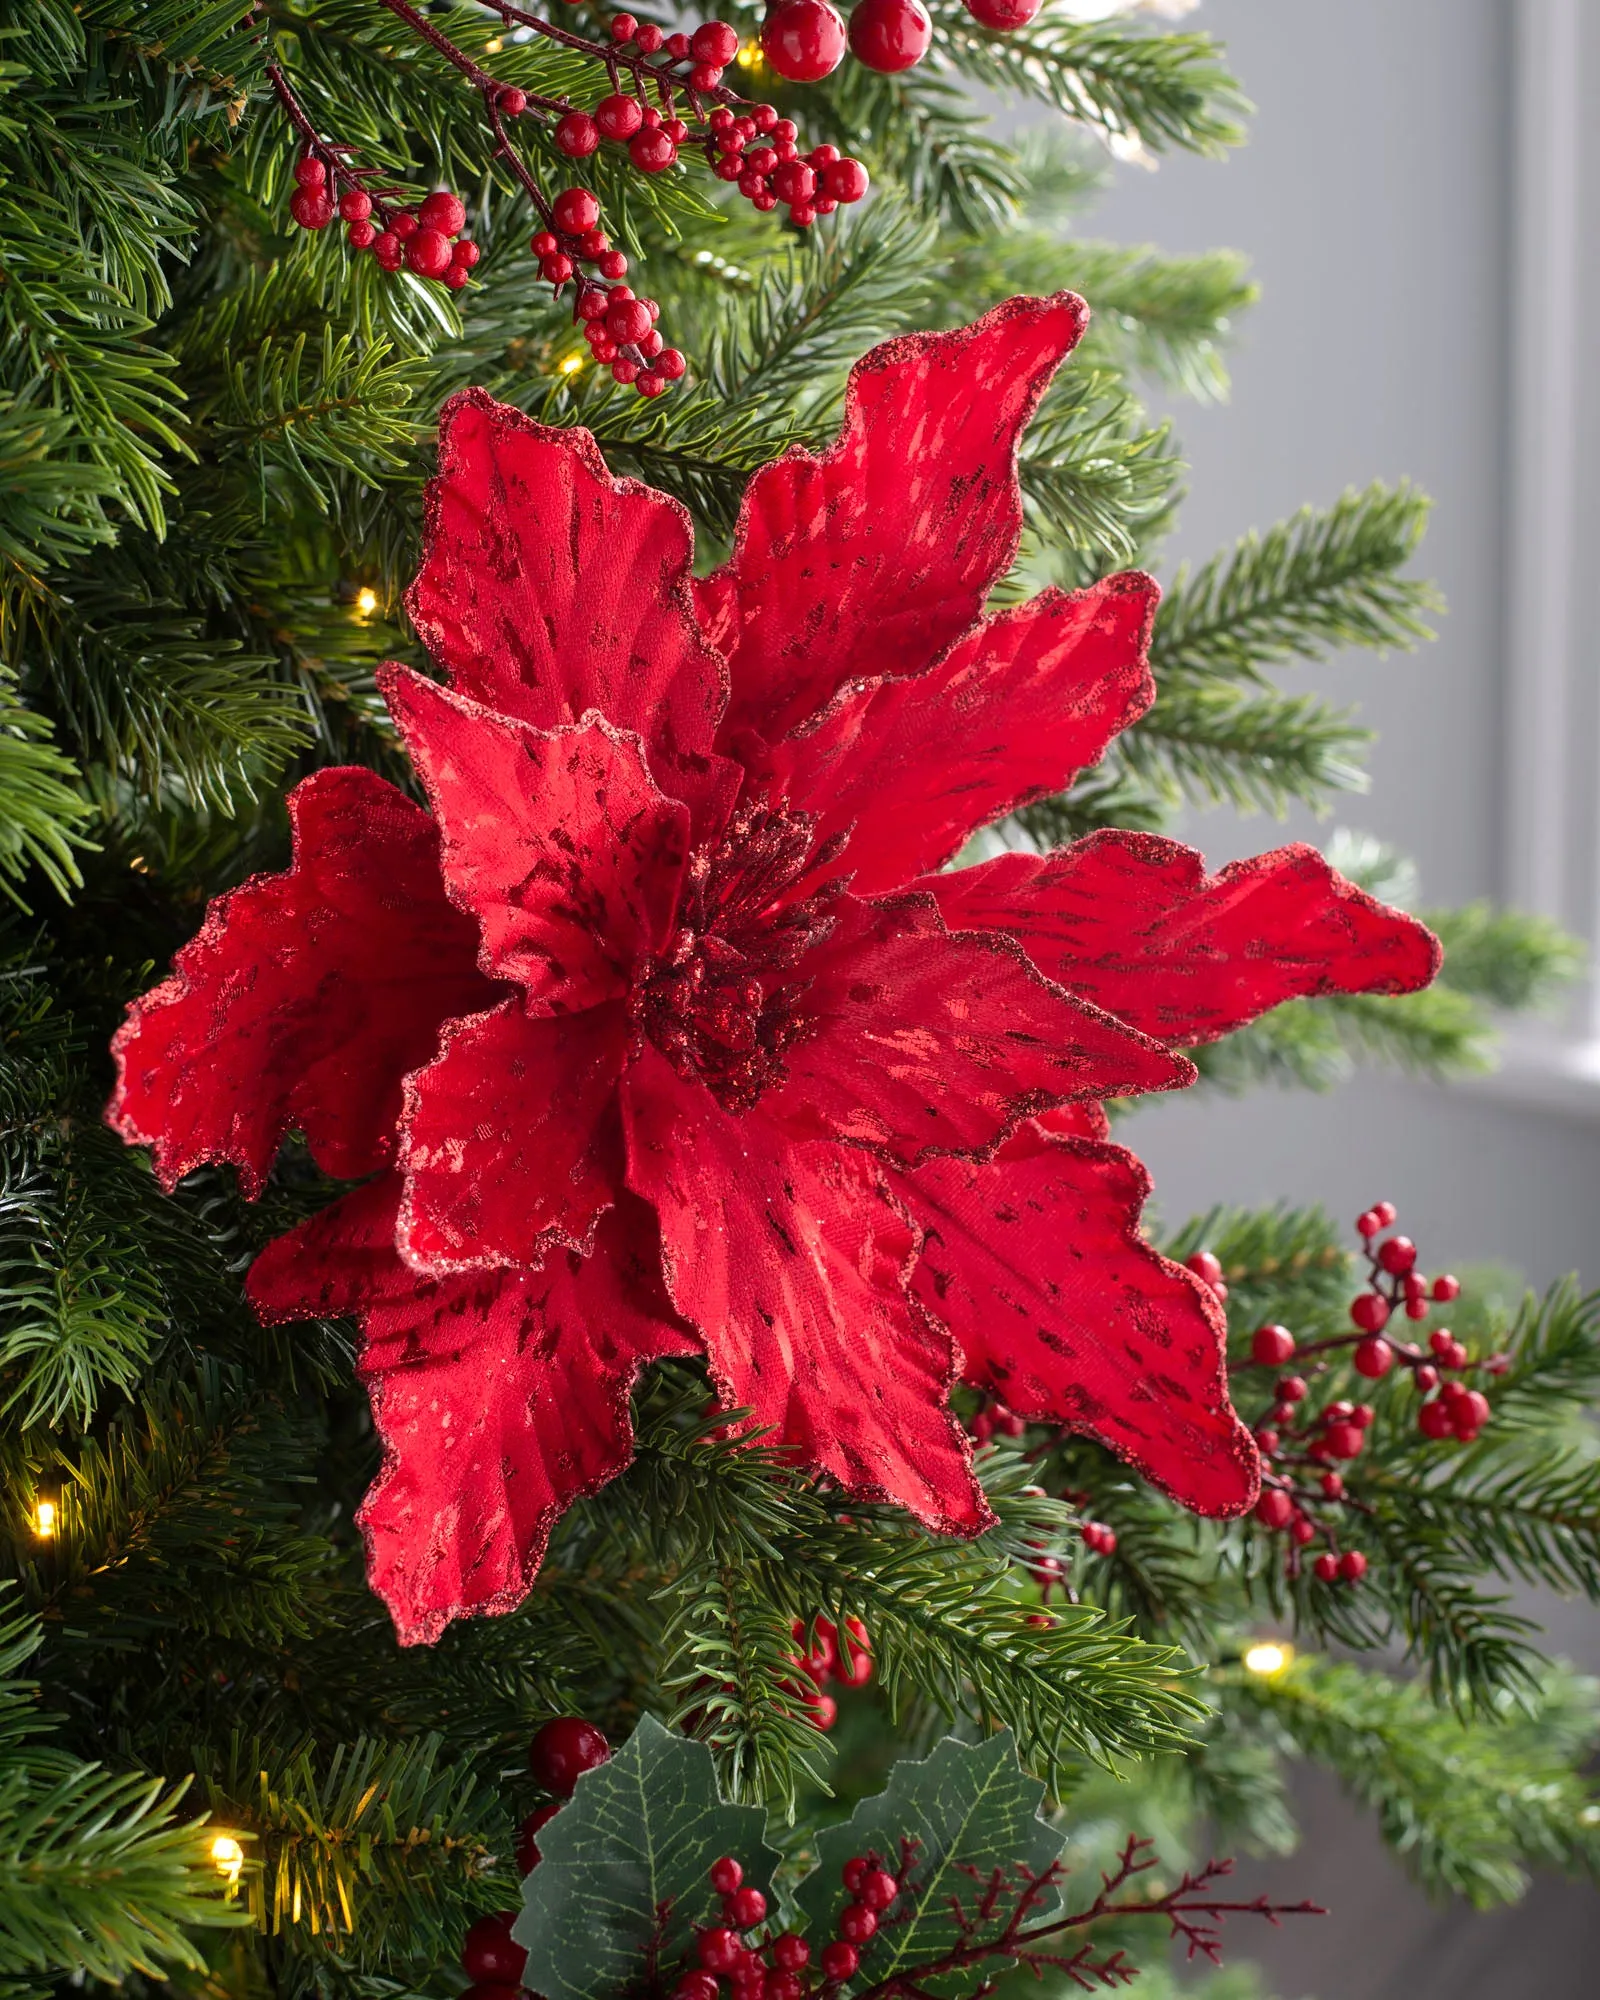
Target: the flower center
pixel 717 1002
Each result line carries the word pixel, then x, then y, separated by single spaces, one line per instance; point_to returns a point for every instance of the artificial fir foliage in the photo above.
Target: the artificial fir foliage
pixel 218 1769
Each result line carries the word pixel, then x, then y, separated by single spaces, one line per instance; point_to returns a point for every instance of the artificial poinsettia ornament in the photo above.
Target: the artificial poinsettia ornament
pixel 663 1034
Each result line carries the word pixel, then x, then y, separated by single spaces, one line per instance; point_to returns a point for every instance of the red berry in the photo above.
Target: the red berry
pixel 765 117
pixel 855 1872
pixel 1352 1566
pixel 1302 1531
pixel 510 101
pixel 803 39
pixel 890 35
pixel 670 364
pixel 1274 1509
pixel 839 1961
pixel 624 371
pixel 405 225
pixel 1426 1378
pixel 1332 1486
pixel 790 1953
pixel 729 167
pixel 1470 1414
pixel 696 1986
pixel 311 208
pixel 855 1655
pixel 726 1875
pixel 1272 1346
pixel 652 152
pixel 456 277
pixel 466 253
pixel 1446 1288
pixel 720 1949
pixel 704 76
pixel 557 268
pixel 1416 1308
pixel 1414 1285
pixel 782 1986
pixel 760 160
pixel 793 181
pixel 528 1856
pixel 543 243
pixel 845 180
pixel 388 251
pixel 1386 1212
pixel 1374 1357
pixel 355 205
pixel 604 349
pixel 490 1953
pixel 1268 1439
pixel 443 211
pixel 676 130
pixel 714 42
pixel 592 303
pixel 677 46
pixel 309 172
pixel 1339 1413
pixel 1368 1224
pixel 1002 14
pixel 746 1908
pixel 1434 1420
pixel 627 319
pixel 575 210
pixel 648 37
pixel 1326 1568
pixel 563 1750
pixel 619 117
pixel 1441 1340
pixel 577 135
pixel 822 1709
pixel 1397 1255
pixel 361 235
pixel 428 253
pixel 1205 1267
pixel 1370 1312
pixel 623 27
pixel 857 1924
pixel 1364 1415
pixel 1292 1389
pixel 752 184
pixel 878 1889
pixel 1346 1440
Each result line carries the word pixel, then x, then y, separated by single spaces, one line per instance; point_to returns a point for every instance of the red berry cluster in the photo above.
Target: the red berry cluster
pixel 619 327
pixel 1303 1492
pixel 805 39
pixel 844 1658
pixel 425 236
pixel 557 1757
pixel 492 1959
pixel 778 1967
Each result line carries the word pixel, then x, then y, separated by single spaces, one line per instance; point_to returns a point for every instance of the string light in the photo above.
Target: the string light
pixel 750 56
pixel 228 1856
pixel 1271 1656
pixel 44 1518
pixel 366 601
pixel 494 45
pixel 572 364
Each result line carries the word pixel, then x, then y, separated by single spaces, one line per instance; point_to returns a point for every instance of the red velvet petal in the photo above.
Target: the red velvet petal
pixel 501 1399
pixel 339 1261
pixel 305 998
pixel 792 1263
pixel 508 1139
pixel 1133 923
pixel 559 844
pixel 548 588
pixel 873 558
pixel 1014 710
pixel 1035 1262
pixel 926 1042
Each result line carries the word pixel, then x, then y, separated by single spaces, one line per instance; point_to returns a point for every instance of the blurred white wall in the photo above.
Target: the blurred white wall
pixel 1376 198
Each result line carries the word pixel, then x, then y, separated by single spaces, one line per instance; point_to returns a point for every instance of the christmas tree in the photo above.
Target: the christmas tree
pixel 951 1658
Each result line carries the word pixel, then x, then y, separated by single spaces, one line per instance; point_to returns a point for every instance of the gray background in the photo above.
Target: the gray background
pixel 1374 199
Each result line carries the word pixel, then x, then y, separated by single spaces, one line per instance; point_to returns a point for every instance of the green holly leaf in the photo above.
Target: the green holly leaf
pixel 625 1868
pixel 970 1807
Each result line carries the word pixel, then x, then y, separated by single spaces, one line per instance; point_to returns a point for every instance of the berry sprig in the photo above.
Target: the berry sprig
pixel 842 1657
pixel 731 1958
pixel 805 40
pixel 1302 1446
pixel 665 96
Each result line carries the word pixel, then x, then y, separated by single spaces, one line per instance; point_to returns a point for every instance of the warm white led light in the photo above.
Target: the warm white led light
pixel 1270 1657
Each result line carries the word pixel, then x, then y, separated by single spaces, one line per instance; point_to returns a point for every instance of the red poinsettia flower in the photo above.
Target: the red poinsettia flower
pixel 664 1034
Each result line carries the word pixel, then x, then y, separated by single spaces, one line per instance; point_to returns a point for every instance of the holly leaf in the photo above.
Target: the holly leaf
pixel 972 1809
pixel 624 1872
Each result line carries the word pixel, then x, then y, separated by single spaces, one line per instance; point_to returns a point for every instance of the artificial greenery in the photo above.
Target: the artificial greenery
pixel 214 430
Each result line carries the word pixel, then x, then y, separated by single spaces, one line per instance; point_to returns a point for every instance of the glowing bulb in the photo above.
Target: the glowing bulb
pixel 228 1856
pixel 1270 1657
pixel 494 45
pixel 44 1518
pixel 572 364
pixel 750 56
pixel 366 601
